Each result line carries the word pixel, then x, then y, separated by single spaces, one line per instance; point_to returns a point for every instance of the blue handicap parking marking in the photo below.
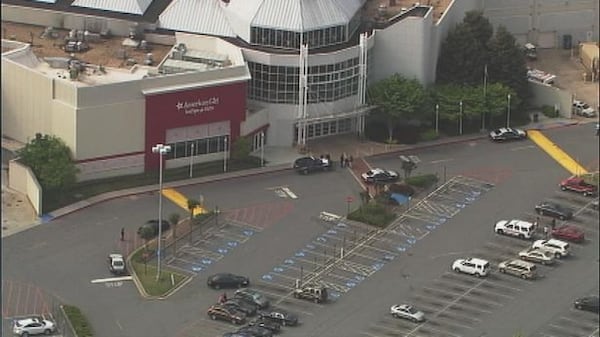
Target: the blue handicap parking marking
pixel 389 257
pixel 248 232
pixel 359 278
pixel 232 243
pixel 333 294
pixel 322 239
pixel 431 226
pixel 332 231
pixel 288 261
pixel 459 205
pixel 341 225
pixel 400 248
pixel 411 241
pixel 310 246
pixel 278 269
pixel 475 193
pixel 207 261
pixel 267 277
pixel 377 266
pixel 222 250
pixel 197 268
pixel 300 254
pixel 350 284
pixel 442 221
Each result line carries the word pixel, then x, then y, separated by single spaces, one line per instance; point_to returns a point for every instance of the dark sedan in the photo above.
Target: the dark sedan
pixel 241 305
pixel 569 233
pixel 589 303
pixel 227 280
pixel 256 331
pixel 282 317
pixel 380 176
pixel 265 323
pixel 554 210
pixel 151 227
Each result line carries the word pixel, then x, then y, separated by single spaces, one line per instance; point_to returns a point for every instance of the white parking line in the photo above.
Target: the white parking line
pixel 519 148
pixel 454 313
pixel 289 192
pixel 112 279
pixel 441 161
pixel 463 306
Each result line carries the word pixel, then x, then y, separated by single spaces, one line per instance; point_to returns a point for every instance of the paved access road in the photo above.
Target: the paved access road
pixel 277 237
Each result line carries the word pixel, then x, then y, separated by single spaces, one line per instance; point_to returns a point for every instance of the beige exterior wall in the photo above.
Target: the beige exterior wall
pixel 22 179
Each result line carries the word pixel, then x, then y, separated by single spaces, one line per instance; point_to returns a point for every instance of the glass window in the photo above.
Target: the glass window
pixel 333 127
pixel 317 129
pixel 202 146
pixel 213 145
pixel 190 148
pixel 311 131
pixel 179 150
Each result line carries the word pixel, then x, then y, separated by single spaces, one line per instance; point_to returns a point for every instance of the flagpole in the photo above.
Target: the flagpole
pixel 485 74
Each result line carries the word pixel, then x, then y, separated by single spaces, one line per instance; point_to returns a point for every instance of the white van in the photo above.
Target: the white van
pixel 519 228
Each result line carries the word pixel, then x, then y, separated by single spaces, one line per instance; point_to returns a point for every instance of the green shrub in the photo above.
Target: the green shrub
pixel 79 322
pixel 428 135
pixel 549 111
pixel 374 214
pixel 422 181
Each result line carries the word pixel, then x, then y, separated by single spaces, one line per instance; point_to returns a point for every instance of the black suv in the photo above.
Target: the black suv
pixel 306 165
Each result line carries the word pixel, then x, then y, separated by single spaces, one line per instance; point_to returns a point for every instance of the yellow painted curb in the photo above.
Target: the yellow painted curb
pixel 556 153
pixel 180 200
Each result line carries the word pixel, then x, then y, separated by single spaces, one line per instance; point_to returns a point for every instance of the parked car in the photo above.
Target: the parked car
pixel 227 280
pixel 224 313
pixel 282 317
pixel 583 109
pixel 557 247
pixel 537 255
pixel 116 264
pixel 237 334
pixel 380 176
pixel 306 165
pixel 568 233
pixel 408 312
pixel 588 303
pixel 504 134
pixel 252 296
pixel 522 269
pixel 240 305
pixel 472 265
pixel 266 323
pixel 554 210
pixel 519 228
pixel 578 185
pixel 256 331
pixel 152 227
pixel 33 326
pixel 311 292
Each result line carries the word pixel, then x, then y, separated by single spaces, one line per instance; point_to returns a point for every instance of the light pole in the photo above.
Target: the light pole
pixel 191 159
pixel 161 150
pixel 485 75
pixel 217 212
pixel 460 118
pixel 225 154
pixel 437 118
pixel 508 111
pixel 262 148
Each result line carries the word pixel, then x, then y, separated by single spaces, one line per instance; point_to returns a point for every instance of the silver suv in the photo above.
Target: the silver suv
pixel 522 269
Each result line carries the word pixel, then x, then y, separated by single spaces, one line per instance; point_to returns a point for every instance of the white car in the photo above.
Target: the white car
pixel 407 312
pixel 503 134
pixel 537 255
pixel 33 326
pixel 472 265
pixel 558 247
pixel 378 175
pixel 583 109
pixel 519 228
pixel 116 264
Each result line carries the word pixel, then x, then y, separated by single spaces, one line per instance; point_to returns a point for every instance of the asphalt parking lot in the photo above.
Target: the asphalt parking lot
pixel 271 230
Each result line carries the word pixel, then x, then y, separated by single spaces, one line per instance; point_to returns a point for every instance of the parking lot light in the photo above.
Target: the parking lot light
pixel 217 212
pixel 161 150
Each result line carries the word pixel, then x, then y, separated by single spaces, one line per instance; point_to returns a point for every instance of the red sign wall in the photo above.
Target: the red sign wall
pixel 192 107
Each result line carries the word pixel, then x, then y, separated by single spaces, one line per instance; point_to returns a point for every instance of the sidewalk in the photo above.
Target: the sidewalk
pixel 16 219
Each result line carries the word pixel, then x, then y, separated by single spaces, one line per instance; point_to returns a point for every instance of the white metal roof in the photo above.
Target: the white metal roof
pixel 215 17
pixel 196 16
pixel 122 6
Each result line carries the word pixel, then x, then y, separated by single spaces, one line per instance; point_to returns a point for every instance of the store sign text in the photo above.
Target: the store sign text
pixel 199 106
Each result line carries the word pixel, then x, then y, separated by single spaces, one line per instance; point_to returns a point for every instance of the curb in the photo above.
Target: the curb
pixel 429 145
pixel 151 188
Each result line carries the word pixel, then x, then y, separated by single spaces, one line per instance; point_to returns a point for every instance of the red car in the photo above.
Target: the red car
pixel 578 185
pixel 569 233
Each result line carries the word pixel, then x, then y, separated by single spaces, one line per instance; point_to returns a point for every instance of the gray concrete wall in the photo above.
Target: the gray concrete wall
pixel 551 96
pixel 22 179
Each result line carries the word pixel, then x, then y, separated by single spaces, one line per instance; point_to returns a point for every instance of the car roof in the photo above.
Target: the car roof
pixel 29 320
pixel 521 223
pixel 519 262
pixel 557 242
pixel 116 256
pixel 476 260
pixel 568 228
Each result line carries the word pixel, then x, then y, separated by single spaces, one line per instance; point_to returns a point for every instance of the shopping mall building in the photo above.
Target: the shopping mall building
pixel 278 72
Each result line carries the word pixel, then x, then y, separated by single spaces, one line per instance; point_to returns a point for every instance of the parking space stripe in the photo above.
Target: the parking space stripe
pixel 556 153
pixel 462 306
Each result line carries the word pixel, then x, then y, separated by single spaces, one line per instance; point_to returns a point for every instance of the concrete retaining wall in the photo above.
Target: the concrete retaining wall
pixel 22 179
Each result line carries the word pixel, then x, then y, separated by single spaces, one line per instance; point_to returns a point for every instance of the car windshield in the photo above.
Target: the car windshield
pixel 118 263
pixel 411 310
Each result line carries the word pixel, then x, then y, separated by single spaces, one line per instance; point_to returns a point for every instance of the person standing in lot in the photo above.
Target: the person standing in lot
pixel 553 224
pixel 546 232
pixel 122 234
